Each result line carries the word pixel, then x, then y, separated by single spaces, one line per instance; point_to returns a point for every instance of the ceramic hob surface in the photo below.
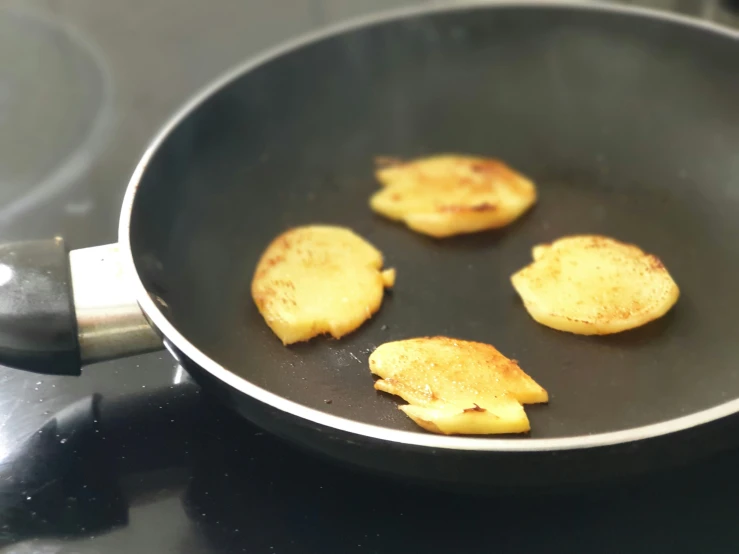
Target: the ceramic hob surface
pixel 131 457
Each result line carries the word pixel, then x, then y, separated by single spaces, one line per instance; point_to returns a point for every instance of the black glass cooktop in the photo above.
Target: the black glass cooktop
pixel 131 457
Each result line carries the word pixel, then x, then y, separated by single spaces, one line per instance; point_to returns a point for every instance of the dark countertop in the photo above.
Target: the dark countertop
pixel 130 457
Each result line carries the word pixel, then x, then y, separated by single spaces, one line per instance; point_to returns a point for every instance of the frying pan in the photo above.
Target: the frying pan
pixel 627 120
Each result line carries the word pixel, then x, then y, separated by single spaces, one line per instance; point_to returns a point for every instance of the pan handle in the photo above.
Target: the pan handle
pixel 62 310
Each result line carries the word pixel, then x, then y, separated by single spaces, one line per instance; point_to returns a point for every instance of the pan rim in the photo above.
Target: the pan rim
pixel 175 341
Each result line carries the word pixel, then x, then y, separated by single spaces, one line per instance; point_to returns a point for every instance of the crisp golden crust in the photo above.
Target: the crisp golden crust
pixel 594 285
pixel 455 386
pixel 319 279
pixel 448 195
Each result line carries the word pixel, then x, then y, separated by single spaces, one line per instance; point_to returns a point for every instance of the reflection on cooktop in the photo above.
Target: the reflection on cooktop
pixel 55 109
pixel 200 479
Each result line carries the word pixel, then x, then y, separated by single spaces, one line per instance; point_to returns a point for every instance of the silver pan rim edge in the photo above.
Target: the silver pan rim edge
pixel 298 410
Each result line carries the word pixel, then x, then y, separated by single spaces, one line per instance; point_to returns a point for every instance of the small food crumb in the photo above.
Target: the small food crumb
pixel 328 401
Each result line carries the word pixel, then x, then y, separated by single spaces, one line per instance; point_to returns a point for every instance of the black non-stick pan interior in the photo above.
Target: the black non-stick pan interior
pixel 628 124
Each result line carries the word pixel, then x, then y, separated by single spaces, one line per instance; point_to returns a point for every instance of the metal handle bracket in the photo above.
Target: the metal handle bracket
pixel 110 323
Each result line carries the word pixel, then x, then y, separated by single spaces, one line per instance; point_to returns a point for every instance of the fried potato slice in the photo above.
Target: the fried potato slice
pixel 456 386
pixel 594 285
pixel 319 279
pixel 448 195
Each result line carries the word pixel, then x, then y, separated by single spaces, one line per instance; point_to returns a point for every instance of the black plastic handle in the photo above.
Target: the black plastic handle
pixel 38 325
